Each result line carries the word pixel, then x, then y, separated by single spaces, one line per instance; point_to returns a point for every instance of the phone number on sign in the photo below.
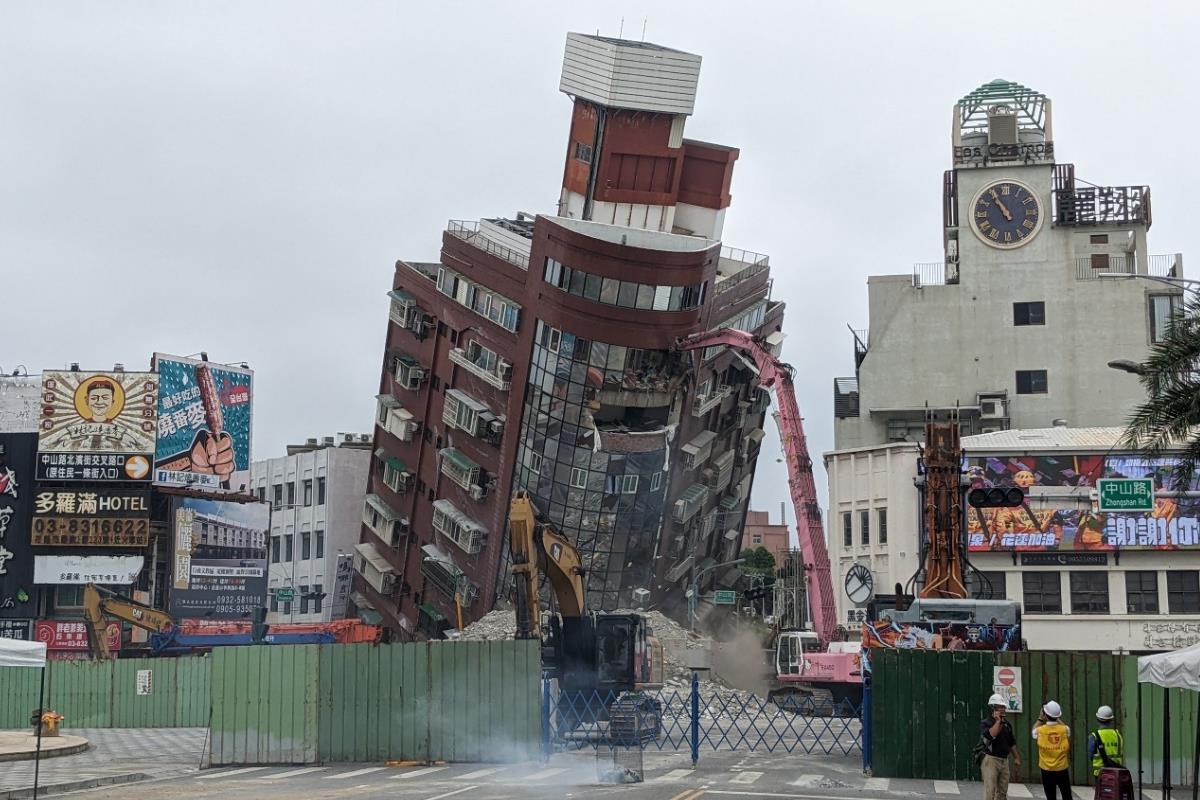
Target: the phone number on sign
pixel 93 532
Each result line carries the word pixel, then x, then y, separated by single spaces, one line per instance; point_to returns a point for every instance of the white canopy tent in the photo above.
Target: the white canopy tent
pixel 17 653
pixel 1178 669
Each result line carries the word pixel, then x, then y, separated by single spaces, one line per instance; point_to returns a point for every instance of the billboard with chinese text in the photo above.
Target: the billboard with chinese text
pixel 204 419
pixel 219 560
pixel 97 426
pixel 1060 513
pixel 60 635
pixel 97 517
pixel 17 451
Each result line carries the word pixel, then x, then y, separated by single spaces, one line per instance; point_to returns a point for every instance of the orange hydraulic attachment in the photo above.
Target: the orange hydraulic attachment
pixel 943 511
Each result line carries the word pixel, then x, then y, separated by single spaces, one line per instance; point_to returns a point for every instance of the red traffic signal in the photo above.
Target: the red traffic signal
pixel 997 497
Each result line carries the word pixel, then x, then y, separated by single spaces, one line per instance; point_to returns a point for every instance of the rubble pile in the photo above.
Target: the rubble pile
pixel 502 624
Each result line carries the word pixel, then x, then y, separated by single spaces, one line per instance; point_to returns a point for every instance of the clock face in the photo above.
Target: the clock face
pixel 859 584
pixel 1006 214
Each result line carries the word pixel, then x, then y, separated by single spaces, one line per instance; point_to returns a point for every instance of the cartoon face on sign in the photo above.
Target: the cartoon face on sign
pixel 99 399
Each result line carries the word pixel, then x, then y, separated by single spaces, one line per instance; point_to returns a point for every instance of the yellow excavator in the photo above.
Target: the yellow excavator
pixel 602 662
pixel 101 605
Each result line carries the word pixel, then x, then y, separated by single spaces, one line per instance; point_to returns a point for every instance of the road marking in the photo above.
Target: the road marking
pixel 292 774
pixel 1019 790
pixel 241 771
pixel 746 777
pixel 417 772
pixel 674 775
pixel 945 787
pixel 451 794
pixel 877 784
pixel 546 773
pixel 479 773
pixel 807 780
pixel 342 775
pixel 690 794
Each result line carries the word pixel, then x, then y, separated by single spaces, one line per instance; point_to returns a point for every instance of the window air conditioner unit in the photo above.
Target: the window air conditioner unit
pixel 993 408
pixel 478 492
pixel 504 370
pixel 496 428
pixel 387 584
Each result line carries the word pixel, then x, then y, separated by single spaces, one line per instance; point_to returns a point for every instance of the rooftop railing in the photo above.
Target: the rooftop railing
pixel 469 232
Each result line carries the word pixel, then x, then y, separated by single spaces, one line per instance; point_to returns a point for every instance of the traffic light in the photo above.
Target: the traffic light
pixel 258 626
pixel 997 497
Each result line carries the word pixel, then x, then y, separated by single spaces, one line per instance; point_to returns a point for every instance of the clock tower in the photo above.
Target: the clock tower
pixel 997 196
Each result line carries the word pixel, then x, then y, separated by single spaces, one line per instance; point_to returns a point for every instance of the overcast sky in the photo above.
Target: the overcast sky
pixel 240 177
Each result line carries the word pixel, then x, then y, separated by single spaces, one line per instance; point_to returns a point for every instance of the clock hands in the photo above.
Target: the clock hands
pixel 1000 203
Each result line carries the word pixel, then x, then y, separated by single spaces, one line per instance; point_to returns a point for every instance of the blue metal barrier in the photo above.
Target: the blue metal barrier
pixel 701 718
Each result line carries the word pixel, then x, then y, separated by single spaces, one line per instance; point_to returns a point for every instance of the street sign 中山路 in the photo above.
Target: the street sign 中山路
pixel 724 597
pixel 1125 494
pixel 285 595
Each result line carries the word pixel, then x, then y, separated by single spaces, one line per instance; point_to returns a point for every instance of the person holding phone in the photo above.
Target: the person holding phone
pixel 1054 751
pixel 999 742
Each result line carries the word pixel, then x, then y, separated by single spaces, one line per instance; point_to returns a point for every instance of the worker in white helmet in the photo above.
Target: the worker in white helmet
pixel 1054 751
pixel 1106 745
pixel 997 743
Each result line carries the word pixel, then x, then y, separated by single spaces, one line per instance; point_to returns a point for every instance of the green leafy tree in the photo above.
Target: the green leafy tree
pixel 1170 417
pixel 758 560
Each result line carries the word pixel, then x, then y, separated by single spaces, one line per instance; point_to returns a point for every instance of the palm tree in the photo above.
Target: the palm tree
pixel 1169 420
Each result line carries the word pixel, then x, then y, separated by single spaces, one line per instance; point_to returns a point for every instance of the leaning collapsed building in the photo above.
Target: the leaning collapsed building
pixel 537 355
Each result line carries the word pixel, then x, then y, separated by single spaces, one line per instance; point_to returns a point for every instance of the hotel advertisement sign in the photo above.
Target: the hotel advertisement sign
pixel 99 518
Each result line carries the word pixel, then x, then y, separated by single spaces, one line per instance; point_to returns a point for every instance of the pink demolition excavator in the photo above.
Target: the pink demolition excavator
pixel 807 663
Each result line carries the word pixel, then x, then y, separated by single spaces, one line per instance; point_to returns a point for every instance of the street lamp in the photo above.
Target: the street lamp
pixel 1125 365
pixel 1187 284
pixel 694 594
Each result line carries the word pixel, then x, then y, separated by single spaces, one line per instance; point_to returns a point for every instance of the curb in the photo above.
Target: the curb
pixel 74 786
pixel 28 755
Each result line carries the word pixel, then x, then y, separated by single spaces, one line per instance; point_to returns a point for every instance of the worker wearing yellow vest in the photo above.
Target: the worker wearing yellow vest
pixel 1106 745
pixel 1054 751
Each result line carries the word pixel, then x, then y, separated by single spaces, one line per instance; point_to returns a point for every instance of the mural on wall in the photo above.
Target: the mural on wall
pixel 1068 520
pixel 887 634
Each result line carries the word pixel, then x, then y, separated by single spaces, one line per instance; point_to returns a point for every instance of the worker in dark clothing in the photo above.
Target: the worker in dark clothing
pixel 1000 742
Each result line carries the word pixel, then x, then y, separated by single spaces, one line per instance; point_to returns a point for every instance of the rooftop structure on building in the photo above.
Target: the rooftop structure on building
pixel 537 354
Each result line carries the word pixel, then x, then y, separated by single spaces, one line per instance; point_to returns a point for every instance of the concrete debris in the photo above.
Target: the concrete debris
pixel 677 641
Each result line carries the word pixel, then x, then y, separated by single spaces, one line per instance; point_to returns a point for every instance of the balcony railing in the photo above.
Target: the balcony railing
pixel 493 378
pixel 934 274
pixel 1100 265
pixel 742 265
pixel 424 269
pixel 703 405
pixel 468 231
pixel 1165 266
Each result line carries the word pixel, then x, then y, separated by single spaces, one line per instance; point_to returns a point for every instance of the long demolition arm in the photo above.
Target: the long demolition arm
pixel 776 375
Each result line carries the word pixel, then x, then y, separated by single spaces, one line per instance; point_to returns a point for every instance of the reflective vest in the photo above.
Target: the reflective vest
pixel 1054 746
pixel 1114 745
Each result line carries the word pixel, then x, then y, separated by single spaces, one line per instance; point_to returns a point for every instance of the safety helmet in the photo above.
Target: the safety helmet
pixel 1052 710
pixel 997 700
pixel 1104 714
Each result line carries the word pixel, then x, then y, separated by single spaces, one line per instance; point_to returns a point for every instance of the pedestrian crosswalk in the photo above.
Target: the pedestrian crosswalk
pixel 453 780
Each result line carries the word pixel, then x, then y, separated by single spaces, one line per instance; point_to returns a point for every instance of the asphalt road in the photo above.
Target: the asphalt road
pixel 724 776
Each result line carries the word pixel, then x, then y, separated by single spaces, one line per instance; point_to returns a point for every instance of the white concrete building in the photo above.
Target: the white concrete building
pixel 316 493
pixel 1017 333
pixel 1045 279
pixel 1087 580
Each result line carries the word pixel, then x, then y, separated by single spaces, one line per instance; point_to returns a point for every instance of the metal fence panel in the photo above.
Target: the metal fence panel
pixel 264 705
pixel 18 695
pixel 927 706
